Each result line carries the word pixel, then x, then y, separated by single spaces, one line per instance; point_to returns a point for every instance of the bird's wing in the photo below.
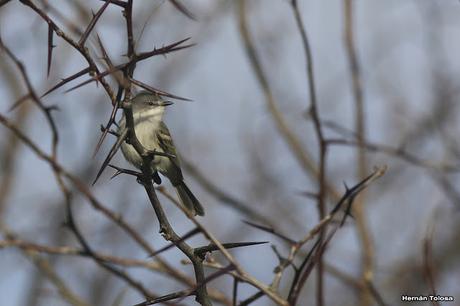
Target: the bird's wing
pixel 166 143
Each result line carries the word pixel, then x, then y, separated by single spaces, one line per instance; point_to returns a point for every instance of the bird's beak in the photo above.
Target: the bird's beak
pixel 166 103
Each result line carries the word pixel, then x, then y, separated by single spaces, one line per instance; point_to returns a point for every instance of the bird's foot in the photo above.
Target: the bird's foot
pixel 156 178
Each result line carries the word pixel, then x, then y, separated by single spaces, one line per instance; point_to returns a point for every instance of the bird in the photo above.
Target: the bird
pixel 151 131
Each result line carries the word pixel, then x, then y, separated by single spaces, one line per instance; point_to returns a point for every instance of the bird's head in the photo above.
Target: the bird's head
pixel 149 104
pixel 146 99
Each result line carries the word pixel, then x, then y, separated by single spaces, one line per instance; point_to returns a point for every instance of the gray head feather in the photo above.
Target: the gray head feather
pixel 146 99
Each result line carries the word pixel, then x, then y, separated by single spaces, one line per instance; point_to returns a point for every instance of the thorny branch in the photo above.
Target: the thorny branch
pixel 322 189
pixel 93 69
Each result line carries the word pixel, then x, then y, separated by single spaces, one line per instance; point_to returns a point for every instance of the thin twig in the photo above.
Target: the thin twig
pixel 72 251
pixel 182 8
pixel 82 50
pixel 322 180
pixel 93 22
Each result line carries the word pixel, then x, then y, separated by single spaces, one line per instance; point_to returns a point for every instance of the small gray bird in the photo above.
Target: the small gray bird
pixel 153 134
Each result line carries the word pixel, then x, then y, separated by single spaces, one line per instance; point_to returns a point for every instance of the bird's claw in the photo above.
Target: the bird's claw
pixel 156 178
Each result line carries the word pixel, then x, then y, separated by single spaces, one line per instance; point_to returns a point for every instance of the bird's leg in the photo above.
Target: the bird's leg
pixel 150 156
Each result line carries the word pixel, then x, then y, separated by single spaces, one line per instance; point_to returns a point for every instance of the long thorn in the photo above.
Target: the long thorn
pixel 112 152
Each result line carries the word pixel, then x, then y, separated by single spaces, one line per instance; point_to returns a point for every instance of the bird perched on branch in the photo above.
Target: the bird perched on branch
pixel 153 134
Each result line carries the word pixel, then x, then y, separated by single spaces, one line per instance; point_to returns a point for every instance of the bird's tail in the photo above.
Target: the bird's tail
pixel 189 201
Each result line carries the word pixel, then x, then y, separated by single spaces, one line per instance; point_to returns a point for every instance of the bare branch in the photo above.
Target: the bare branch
pixel 93 22
pixel 67 80
pixel 271 231
pixel 83 51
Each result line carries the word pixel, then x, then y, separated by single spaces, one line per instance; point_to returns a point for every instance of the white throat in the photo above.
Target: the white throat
pixel 154 114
